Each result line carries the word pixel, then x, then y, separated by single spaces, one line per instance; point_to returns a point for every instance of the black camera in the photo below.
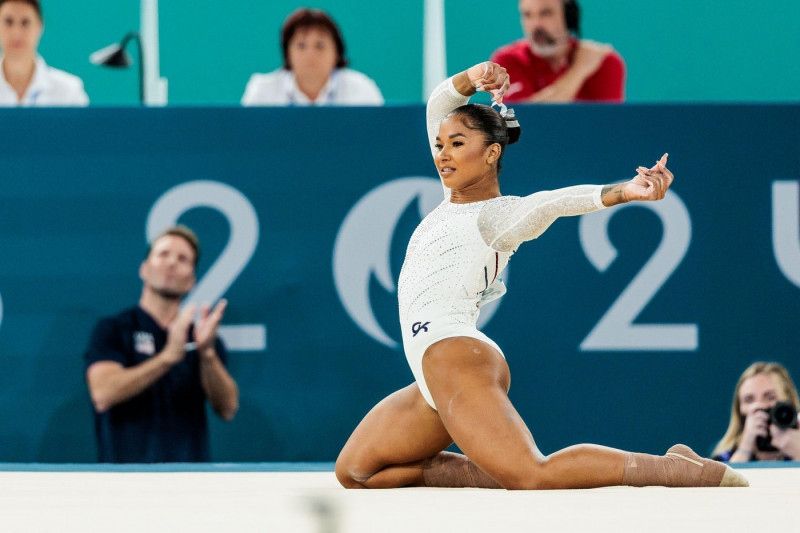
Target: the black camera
pixel 783 415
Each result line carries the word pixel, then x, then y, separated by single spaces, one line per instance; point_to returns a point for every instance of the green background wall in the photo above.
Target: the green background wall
pixel 681 50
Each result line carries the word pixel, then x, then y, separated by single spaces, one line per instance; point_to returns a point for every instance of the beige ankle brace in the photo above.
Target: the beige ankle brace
pixel 446 469
pixel 680 467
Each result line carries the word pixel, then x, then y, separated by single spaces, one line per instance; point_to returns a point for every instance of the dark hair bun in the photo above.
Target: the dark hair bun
pixel 514 130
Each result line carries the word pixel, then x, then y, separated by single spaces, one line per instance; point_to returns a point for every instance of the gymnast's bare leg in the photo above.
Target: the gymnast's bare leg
pixel 469 382
pixel 400 442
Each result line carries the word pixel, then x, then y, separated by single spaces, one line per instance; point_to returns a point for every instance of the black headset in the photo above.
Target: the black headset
pixel 572 13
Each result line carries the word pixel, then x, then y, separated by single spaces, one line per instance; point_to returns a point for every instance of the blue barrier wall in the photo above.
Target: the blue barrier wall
pixel 304 216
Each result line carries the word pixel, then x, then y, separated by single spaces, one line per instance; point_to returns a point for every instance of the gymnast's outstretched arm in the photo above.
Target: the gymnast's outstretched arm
pixel 506 230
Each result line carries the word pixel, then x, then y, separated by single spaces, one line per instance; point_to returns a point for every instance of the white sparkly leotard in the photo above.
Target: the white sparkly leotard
pixel 457 253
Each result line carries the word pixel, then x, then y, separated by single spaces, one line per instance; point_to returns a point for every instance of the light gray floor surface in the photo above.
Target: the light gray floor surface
pixel 313 502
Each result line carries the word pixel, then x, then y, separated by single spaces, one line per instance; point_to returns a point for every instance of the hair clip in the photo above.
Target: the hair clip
pixel 507 114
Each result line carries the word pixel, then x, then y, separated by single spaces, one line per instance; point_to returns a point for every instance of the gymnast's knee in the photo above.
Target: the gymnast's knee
pixel 536 477
pixel 348 475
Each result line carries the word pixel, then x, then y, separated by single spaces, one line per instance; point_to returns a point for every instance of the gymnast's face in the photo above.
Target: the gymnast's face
pixel 461 154
pixel 20 29
pixel 312 53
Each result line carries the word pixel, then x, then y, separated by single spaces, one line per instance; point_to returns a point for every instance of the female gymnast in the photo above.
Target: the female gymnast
pixel 451 268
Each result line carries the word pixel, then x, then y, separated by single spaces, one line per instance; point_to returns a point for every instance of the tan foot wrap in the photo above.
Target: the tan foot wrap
pixel 680 467
pixel 446 469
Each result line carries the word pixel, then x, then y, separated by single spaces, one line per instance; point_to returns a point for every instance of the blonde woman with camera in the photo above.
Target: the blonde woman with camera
pixel 764 420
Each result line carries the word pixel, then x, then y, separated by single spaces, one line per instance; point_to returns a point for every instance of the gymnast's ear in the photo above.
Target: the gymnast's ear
pixel 493 154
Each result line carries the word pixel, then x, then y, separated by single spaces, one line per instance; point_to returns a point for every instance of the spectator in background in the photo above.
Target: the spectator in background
pixel 751 436
pixel 314 68
pixel 25 79
pixel 551 64
pixel 150 371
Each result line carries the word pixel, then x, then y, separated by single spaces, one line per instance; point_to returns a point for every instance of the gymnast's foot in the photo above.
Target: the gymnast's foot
pixel 690 470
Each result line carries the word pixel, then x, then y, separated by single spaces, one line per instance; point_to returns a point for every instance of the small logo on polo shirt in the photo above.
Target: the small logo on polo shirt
pixel 144 342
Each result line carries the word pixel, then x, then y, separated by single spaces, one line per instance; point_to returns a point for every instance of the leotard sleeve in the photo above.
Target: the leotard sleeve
pixel 508 224
pixel 443 99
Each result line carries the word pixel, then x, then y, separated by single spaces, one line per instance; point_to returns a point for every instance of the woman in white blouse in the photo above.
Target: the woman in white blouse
pixel 314 68
pixel 25 78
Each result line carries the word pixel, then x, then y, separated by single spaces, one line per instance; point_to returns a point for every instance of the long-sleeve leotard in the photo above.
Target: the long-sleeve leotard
pixel 457 253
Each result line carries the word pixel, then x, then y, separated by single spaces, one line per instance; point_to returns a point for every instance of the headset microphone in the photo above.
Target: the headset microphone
pixel 572 15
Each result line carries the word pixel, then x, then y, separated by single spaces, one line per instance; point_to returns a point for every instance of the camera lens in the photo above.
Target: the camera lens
pixel 784 415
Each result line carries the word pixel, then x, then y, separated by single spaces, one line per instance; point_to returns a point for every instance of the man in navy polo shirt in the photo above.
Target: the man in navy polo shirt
pixel 150 369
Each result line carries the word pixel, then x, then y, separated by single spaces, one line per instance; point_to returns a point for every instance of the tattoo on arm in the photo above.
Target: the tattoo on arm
pixel 613 194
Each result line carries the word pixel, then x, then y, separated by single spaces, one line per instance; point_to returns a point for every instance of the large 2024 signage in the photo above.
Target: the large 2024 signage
pixel 615 330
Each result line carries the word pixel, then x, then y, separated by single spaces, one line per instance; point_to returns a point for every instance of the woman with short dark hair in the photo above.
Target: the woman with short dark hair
pixel 314 68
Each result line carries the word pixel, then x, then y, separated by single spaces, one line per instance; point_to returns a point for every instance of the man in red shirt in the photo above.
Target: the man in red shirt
pixel 552 65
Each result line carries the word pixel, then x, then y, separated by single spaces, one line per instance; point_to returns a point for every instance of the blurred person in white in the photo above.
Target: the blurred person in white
pixel 25 79
pixel 314 71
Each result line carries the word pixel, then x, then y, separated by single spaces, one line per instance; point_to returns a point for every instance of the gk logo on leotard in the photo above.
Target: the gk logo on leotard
pixel 362 252
pixel 419 326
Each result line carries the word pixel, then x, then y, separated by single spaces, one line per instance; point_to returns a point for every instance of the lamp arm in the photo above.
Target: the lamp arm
pixel 141 69
pixel 134 36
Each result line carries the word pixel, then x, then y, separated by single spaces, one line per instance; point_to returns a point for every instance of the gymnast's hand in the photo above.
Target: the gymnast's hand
pixel 489 77
pixel 650 183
